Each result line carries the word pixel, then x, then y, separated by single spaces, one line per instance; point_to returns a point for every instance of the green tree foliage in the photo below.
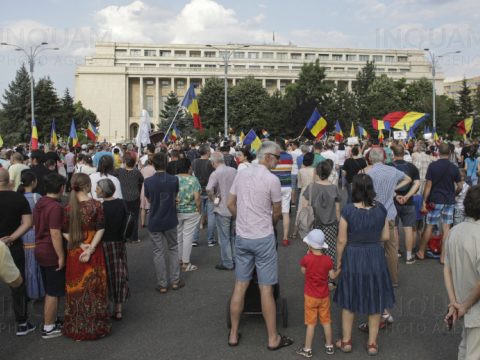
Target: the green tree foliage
pixel 365 79
pixel 212 105
pixel 15 127
pixel 170 109
pixel 476 100
pixel 465 105
pixel 47 108
pixel 68 113
pixel 82 116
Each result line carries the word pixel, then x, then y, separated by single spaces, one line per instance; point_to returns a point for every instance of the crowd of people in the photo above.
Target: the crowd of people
pixel 65 212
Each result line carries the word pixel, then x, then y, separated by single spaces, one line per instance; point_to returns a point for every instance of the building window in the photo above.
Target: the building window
pixel 377 58
pixel 389 59
pixel 165 84
pixel 339 69
pixel 282 56
pixel 392 70
pixel 267 55
pixel 253 55
pixel 149 104
pixel 195 65
pixel 282 67
pixel 180 53
pixel 164 65
pixel 296 67
pixel 135 64
pixel 324 57
pixel 238 55
pixel 180 65
pixel 150 65
pixel 402 59
pixel 150 52
pixel 353 69
pixel 270 67
pixel 404 70
pixel 121 52
pixel 380 69
pixel 210 54
pixel 135 52
pixel 309 56
pixel 296 56
pixel 337 57
pixel 210 66
pixel 165 53
pixel 254 66
pixel 195 53
pixel 364 57
pixel 180 84
pixel 351 57
pixel 239 66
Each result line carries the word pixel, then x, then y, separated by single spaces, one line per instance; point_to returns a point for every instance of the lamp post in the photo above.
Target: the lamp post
pixel 434 59
pixel 226 53
pixel 31 55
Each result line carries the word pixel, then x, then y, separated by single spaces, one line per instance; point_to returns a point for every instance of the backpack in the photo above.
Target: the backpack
pixel 306 217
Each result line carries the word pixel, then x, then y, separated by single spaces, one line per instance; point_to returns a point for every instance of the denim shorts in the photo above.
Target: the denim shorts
pixel 407 214
pixel 256 253
pixel 294 182
pixel 441 213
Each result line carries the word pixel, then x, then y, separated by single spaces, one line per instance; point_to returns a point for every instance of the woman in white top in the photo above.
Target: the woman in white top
pixel 244 159
pixel 84 165
pixel 105 171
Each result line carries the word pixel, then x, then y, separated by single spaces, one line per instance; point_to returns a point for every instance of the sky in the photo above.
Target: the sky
pixel 443 26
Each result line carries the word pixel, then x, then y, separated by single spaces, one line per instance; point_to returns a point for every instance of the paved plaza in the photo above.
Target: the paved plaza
pixel 191 323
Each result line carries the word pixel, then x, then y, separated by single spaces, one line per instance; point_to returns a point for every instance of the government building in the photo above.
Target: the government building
pixel 121 79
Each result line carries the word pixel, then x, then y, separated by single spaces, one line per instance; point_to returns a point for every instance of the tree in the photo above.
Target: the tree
pixel 212 106
pixel 82 117
pixel 168 112
pixel 47 108
pixel 67 109
pixel 465 106
pixel 476 100
pixel 16 125
pixel 365 78
pixel 341 105
pixel 276 114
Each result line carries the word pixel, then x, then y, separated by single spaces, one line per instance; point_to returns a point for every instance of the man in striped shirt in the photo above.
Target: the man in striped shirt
pixel 283 171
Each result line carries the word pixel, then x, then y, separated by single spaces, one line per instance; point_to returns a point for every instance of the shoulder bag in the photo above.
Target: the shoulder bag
pixel 306 217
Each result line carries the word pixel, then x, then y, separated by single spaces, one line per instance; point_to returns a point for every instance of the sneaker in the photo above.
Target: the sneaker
pixel 285 242
pixel 329 350
pixel 194 244
pixel 411 261
pixel 25 329
pixel 304 353
pixel 59 322
pixel 55 332
pixel 212 243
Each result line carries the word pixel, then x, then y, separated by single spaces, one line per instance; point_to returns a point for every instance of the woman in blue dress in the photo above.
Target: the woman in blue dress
pixel 33 277
pixel 364 285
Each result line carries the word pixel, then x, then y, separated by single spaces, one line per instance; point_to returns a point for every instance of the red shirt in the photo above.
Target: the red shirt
pixel 316 275
pixel 47 214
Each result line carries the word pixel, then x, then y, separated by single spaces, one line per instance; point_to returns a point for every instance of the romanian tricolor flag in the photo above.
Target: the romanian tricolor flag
pixel 73 134
pixel 190 103
pixel 34 135
pixel 174 134
pixel 53 135
pixel 265 133
pixel 400 119
pixel 92 132
pixel 253 140
pixel 352 130
pixel 380 125
pixel 435 135
pixel 338 132
pixel 380 135
pixel 465 126
pixel 362 132
pixel 242 136
pixel 317 124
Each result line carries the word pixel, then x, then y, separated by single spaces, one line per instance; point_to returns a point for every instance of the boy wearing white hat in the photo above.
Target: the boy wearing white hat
pixel 317 268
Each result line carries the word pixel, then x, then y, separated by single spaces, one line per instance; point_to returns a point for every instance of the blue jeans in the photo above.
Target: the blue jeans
pixel 226 239
pixel 207 208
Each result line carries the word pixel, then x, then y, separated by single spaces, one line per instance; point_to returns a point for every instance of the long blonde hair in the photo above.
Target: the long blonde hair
pixel 79 182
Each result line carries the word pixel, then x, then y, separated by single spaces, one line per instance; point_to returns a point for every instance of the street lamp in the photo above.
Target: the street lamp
pixel 434 59
pixel 226 56
pixel 31 55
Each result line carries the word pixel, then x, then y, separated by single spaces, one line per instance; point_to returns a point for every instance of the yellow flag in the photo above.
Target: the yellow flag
pixel 1 141
pixel 352 131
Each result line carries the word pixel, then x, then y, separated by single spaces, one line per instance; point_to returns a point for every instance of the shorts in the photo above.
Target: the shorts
pixel 407 214
pixel 294 182
pixel 286 198
pixel 53 281
pixel 441 213
pixel 317 309
pixel 256 253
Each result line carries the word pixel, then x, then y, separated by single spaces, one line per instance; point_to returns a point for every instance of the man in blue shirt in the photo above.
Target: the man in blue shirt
pixel 161 191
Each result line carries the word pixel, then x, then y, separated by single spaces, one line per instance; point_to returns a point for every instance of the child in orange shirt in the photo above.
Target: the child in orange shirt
pixel 317 268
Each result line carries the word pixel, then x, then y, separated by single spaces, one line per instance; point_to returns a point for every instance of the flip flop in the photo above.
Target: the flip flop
pixel 239 336
pixel 284 342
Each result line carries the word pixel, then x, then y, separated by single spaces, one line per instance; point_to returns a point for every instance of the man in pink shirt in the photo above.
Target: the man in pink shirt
pixel 256 202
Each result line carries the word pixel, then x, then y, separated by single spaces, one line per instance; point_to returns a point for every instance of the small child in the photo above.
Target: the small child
pixel 459 214
pixel 317 268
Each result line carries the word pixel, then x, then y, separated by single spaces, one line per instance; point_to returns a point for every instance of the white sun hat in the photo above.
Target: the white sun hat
pixel 316 239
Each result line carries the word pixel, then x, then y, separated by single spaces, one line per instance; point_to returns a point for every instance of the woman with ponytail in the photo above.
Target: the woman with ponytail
pixel 33 276
pixel 86 301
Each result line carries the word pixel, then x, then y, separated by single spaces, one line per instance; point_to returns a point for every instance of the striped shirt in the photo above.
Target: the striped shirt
pixel 385 178
pixel 283 170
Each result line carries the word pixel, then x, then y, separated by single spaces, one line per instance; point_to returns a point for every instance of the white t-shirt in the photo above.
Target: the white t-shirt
pixel 70 162
pixel 295 154
pixel 95 177
pixel 329 154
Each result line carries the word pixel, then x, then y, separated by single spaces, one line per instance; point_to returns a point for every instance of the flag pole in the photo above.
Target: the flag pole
pixel 171 124
pixel 299 136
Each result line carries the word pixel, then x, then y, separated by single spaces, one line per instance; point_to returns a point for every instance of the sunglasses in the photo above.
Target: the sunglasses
pixel 275 155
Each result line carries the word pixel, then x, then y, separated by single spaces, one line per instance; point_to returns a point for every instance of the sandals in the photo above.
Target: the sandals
pixel 189 267
pixel 284 342
pixel 372 349
pixel 235 343
pixel 162 290
pixel 344 346
pixel 178 285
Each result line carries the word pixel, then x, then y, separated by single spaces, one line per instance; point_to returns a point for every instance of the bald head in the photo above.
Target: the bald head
pixel 4 177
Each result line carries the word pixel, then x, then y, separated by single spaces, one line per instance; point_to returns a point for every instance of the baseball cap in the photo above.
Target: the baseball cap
pixel 316 239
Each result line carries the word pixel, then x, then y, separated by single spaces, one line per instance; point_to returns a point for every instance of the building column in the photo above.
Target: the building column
pixel 172 84
pixel 156 99
pixel 278 84
pixel 203 81
pixel 350 85
pixel 141 95
pixel 264 83
pixel 234 81
pixel 127 110
pixel 188 83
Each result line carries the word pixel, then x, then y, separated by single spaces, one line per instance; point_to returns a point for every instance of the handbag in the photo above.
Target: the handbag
pixel 128 224
pixel 306 217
